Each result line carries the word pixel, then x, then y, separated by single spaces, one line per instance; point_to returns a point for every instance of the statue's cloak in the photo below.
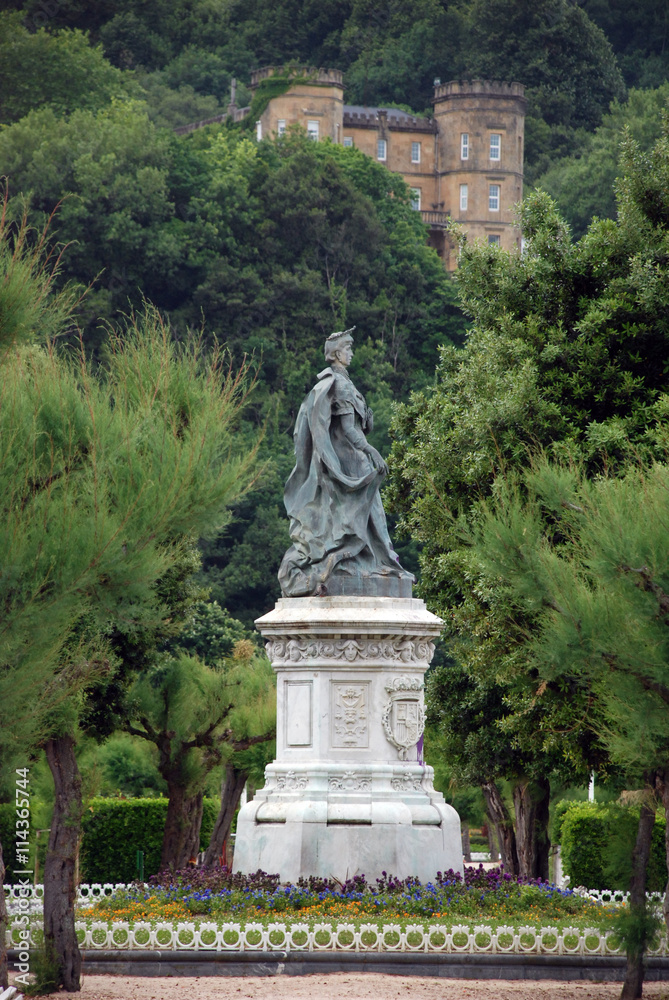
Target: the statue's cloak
pixel 337 524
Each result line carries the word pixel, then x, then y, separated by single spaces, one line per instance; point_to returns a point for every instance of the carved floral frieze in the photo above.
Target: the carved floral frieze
pixel 291 782
pixel 407 783
pixel 392 649
pixel 349 781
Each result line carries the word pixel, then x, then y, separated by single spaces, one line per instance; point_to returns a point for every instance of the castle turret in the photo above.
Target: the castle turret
pixel 314 100
pixel 480 148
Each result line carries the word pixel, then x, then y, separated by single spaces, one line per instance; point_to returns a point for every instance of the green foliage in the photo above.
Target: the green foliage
pixel 583 184
pixel 638 35
pixel 597 843
pixel 61 70
pixel 638 929
pixel 8 839
pixel 211 632
pixel 584 832
pixel 390 52
pixel 102 484
pixel 558 813
pixel 115 829
pixel 111 168
pixel 125 767
pixel 169 107
pixel 566 354
pixel 27 263
pixel 44 972
pixel 191 710
pixel 590 558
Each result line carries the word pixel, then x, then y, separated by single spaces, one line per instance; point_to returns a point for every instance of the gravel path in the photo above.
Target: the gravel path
pixel 345 986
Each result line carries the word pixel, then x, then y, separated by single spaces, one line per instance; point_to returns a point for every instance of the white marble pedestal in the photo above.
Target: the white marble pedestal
pixel 348 793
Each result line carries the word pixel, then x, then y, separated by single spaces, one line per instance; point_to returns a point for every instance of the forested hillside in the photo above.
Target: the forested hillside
pixel 270 246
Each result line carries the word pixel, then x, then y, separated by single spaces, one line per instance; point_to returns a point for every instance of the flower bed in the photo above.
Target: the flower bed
pixel 214 909
pixel 493 896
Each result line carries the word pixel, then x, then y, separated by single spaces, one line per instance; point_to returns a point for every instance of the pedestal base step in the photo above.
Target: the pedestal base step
pixel 342 850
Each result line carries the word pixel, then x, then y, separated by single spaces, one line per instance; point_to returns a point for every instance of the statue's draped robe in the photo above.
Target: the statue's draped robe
pixel 337 523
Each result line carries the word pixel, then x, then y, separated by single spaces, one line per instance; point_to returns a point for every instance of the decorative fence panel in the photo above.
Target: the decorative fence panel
pixel 278 936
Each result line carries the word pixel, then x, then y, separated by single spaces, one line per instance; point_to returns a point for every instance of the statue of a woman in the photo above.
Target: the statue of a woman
pixel 338 528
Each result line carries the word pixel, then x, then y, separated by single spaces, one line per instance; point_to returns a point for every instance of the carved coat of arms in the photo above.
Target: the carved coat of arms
pixel 404 716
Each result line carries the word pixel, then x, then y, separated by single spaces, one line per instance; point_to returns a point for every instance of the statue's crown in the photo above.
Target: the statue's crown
pixel 340 333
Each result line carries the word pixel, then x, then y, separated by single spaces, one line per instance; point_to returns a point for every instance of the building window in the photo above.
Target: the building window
pixel 381 148
pixel 415 152
pixel 281 126
pixel 415 198
pixel 312 130
pixel 258 130
pixel 464 195
pixel 495 146
pixel 464 145
pixel 348 140
pixel 493 197
pixel 493 240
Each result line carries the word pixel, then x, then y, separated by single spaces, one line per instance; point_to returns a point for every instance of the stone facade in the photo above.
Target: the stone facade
pixel 349 792
pixel 464 163
pixel 316 103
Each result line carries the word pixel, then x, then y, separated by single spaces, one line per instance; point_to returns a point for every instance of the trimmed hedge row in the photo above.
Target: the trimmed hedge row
pixel 115 829
pixel 7 839
pixel 597 843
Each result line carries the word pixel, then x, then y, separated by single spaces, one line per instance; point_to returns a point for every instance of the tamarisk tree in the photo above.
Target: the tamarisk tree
pixel 103 482
pixel 566 352
pixel 197 716
pixel 589 559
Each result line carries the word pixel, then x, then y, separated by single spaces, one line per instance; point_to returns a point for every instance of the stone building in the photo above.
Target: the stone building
pixel 465 162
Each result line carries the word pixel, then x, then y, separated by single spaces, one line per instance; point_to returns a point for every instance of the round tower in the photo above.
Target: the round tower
pixel 480 157
pixel 314 99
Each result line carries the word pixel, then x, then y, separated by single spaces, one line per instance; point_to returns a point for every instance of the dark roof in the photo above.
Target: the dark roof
pixel 358 115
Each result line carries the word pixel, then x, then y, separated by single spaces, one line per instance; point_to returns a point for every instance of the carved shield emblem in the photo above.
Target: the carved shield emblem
pixel 405 723
pixel 404 715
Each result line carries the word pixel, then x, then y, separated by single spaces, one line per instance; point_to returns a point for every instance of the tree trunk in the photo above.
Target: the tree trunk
pixel 231 791
pixel 663 785
pixel 531 800
pixel 59 885
pixel 4 982
pixel 633 983
pixel 492 846
pixel 181 838
pixel 498 816
pixel 466 843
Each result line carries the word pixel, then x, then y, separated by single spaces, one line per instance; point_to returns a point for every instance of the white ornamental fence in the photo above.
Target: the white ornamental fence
pixel 461 938
pixel 278 936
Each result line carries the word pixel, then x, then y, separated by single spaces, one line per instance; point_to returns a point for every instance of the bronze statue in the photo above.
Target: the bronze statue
pixel 338 527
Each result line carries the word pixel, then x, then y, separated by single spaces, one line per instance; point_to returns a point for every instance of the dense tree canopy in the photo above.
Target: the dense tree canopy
pixel 565 354
pixel 583 184
pixel 185 54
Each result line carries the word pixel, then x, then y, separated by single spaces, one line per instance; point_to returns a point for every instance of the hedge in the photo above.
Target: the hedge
pixel 7 838
pixel 597 843
pixel 115 829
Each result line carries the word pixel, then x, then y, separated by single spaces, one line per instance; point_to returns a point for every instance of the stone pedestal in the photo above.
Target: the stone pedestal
pixel 348 792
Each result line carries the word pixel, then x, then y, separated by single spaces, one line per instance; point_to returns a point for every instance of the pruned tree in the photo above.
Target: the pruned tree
pixel 564 353
pixel 104 480
pixel 589 558
pixel 197 716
